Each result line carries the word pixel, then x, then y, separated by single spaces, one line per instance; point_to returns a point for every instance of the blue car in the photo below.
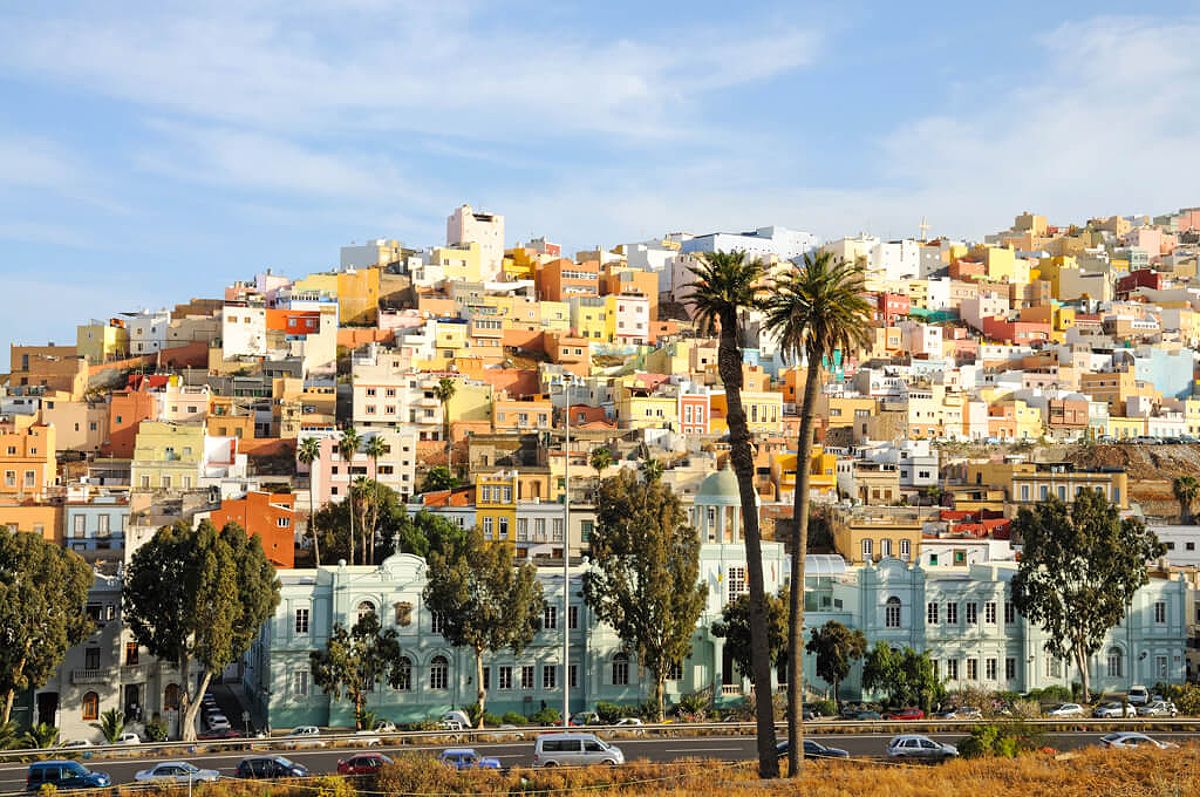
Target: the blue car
pixel 467 758
pixel 64 776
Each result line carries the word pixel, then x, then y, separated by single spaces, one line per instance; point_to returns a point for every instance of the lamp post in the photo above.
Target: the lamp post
pixel 566 602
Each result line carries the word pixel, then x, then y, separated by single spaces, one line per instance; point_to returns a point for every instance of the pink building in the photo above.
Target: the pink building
pixel 694 413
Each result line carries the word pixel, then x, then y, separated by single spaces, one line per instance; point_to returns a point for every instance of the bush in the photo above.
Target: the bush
pixel 547 716
pixel 492 720
pixel 1186 698
pixel 513 718
pixel 1051 694
pixel 824 708
pixel 156 730
pixel 695 703
pixel 611 712
pixel 1005 740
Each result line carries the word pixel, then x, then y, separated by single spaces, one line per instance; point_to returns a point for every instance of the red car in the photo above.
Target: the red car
pixel 227 733
pixel 905 714
pixel 362 764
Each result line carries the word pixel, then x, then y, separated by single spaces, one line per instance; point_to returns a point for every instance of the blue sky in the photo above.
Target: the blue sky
pixel 151 152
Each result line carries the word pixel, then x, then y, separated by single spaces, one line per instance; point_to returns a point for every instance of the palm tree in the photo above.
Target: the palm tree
pixel 308 452
pixel 1186 488
pixel 815 311
pixel 374 449
pixel 726 284
pixel 111 725
pixel 40 737
pixel 600 460
pixel 443 392
pixel 348 447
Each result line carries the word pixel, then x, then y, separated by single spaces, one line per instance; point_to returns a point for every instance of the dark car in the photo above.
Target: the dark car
pixel 64 776
pixel 467 758
pixel 812 750
pixel 362 764
pixel 227 733
pixel 270 767
pixel 866 714
pixel 909 713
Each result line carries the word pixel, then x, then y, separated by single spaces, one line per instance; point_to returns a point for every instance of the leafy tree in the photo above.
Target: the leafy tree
pixel 836 647
pixel 199 597
pixel 1185 488
pixel 354 661
pixel 424 532
pixel 439 477
pixel 444 391
pixel 308 452
pixel 111 725
pixel 1080 568
pixel 40 737
pixel 348 446
pixel 374 449
pixel 646 579
pixel 43 591
pixel 728 284
pixel 734 626
pixel 487 603
pixel 814 311
pixel 905 676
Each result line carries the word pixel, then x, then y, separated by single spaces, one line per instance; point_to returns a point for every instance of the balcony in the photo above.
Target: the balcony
pixel 731 690
pixel 134 673
pixel 90 676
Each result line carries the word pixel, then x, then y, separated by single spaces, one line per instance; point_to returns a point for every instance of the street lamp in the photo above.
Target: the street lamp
pixel 566 543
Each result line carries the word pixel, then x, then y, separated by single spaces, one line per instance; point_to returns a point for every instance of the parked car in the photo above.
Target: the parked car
pixel 866 714
pixel 909 713
pixel 270 767
pixel 217 722
pixel 921 747
pixel 383 726
pixel 1158 708
pixel 812 750
pixel 362 764
pixel 585 718
pixel 1138 695
pixel 220 733
pixel 1116 709
pixel 128 738
pixel 64 775
pixel 176 772
pixel 1065 710
pixel 1130 741
pixel 451 725
pixel 960 713
pixel 457 716
pixel 303 736
pixel 75 743
pixel 628 722
pixel 574 749
pixel 467 758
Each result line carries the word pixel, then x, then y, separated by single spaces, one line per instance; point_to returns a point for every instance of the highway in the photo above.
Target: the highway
pixel 520 752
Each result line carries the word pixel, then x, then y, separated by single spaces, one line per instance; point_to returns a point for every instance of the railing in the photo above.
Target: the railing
pixel 728 690
pixel 90 676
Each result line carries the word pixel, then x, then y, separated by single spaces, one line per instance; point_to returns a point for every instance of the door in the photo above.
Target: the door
pixel 47 708
pixel 133 703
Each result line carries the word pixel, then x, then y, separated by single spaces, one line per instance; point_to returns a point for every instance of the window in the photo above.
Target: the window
pixel 989 612
pixel 488 523
pixel 574 676
pixel 1010 669
pixel 952 613
pixel 487 678
pixel 505 679
pixel 522 529
pixel 1053 667
pixel 572 617
pixel 439 673
pixel 91 706
pixel 972 613
pixel 585 531
pixel 79 526
pixel 737 582
pixel 906 549
pixel 931 613
pixel 892 613
pixel 1160 612
pixel 675 672
pixel 1115 657
pixel 620 670
pixel 131 654
pixel 549 676
pixel 437 622
pixel 556 533
pixel 972 669
pixel 300 683
pixel 1160 666
pixel 885 548
pixel 301 621
pixel 527 676
pixel 91 659
pixel 365 608
pixel 952 669
pixel 404 674
pixel 550 617
pixel 1010 613
pixel 103 528
pixel 867 549
pixel 990 670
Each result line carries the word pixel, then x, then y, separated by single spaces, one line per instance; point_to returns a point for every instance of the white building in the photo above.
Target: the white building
pixel 243 330
pixel 465 225
pixel 148 331
pixel 767 243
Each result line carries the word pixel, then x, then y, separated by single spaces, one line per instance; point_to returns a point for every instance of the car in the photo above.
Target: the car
pixel 628 722
pixel 362 764
pixel 920 747
pixel 1138 695
pixel 303 736
pixel 866 714
pixel 585 718
pixel 960 713
pixel 64 775
pixel 467 758
pixel 383 726
pixel 1114 709
pixel 1158 708
pixel 217 722
pixel 176 772
pixel 909 713
pixel 571 749
pixel 222 733
pixel 457 716
pixel 812 750
pixel 75 743
pixel 1065 710
pixel 270 767
pixel 1129 741
pixel 128 738
pixel 450 725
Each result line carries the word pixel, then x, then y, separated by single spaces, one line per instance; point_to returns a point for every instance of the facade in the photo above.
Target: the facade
pixel 95 522
pixel 269 516
pixel 27 457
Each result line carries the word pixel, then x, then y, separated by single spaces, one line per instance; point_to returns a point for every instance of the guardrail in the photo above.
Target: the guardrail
pixel 831 727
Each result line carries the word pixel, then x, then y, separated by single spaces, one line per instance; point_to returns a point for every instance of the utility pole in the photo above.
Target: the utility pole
pixel 566 601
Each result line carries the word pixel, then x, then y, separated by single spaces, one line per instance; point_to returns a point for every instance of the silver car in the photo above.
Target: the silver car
pixel 176 772
pixel 574 749
pixel 916 746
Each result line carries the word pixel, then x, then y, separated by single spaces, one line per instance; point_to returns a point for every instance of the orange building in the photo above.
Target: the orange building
pixel 27 462
pixel 44 520
pixel 294 322
pixel 563 279
pixel 270 516
pixel 48 368
pixel 521 415
pixel 126 411
pixel 619 280
pixel 571 352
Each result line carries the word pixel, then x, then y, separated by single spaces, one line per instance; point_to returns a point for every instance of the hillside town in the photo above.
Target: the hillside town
pixel 486 384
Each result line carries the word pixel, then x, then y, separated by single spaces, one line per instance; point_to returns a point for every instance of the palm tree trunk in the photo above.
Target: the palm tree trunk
pixel 800 511
pixel 312 515
pixel 729 364
pixel 446 433
pixel 350 506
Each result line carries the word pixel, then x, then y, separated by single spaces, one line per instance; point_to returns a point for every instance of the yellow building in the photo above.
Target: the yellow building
pixel 590 318
pixel 1029 421
pixel 101 341
pixel 868 534
pixel 764 412
pixel 167 456
pixel 672 358
pixel 1027 483
pixel 461 262
pixel 822 474
pixel 640 408
pixel 1001 264
pixel 521 415
pixel 496 505
pixel 556 316
pixel 1124 428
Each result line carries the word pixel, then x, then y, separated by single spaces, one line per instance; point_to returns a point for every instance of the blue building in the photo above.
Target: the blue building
pixel 96 523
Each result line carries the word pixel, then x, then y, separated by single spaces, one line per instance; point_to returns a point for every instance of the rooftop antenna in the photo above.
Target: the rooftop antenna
pixel 924 228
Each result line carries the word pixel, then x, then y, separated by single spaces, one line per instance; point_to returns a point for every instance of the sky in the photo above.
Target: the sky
pixel 155 151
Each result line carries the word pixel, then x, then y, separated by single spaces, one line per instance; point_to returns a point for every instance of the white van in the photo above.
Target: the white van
pixel 575 749
pixel 1138 695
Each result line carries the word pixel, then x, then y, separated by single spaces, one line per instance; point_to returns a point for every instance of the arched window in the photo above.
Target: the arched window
pixel 404 674
pixel 91 706
pixel 1115 662
pixel 171 697
pixel 439 673
pixel 891 612
pixel 365 608
pixel 620 670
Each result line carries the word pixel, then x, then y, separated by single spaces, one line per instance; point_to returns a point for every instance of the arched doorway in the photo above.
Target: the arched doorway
pixel 170 709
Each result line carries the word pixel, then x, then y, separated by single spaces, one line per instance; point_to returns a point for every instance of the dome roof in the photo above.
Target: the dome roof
pixel 719 488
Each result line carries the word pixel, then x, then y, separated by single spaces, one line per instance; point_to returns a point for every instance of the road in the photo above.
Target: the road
pixel 520 753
